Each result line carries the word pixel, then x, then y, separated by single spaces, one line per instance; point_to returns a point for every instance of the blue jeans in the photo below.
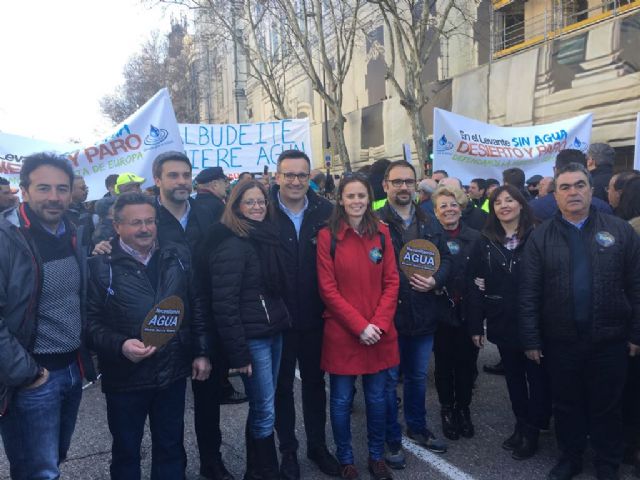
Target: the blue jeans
pixel 127 413
pixel 341 399
pixel 414 361
pixel 261 385
pixel 37 431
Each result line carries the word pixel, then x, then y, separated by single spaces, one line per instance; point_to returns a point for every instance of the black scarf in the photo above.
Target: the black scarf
pixel 265 239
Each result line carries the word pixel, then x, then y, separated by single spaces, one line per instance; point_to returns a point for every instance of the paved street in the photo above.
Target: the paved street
pixel 478 458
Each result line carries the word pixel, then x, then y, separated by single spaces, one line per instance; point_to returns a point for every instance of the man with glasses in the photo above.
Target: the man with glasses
pixel 580 307
pixel 300 214
pixel 140 380
pixel 416 318
pixel 181 220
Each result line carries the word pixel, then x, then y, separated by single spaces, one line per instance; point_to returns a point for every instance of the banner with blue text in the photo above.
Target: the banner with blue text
pixel 131 147
pixel 244 147
pixel 468 149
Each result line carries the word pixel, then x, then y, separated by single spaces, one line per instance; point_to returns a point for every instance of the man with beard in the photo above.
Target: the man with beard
pixel 182 220
pixel 42 322
pixel 416 318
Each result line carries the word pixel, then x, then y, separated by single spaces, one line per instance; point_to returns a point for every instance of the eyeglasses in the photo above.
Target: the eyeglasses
pixel 253 203
pixel 138 223
pixel 290 177
pixel 397 182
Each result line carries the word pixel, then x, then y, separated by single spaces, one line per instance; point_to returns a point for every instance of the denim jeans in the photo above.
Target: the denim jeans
pixel 261 385
pixel 341 399
pixel 414 361
pixel 37 430
pixel 127 413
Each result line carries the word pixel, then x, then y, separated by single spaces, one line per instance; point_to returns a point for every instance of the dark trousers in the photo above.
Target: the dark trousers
pixel 529 388
pixel 303 347
pixel 206 412
pixel 631 404
pixel 587 383
pixel 455 365
pixel 127 413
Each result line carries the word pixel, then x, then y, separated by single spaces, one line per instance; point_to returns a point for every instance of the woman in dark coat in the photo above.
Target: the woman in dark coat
pixel 454 352
pixel 496 260
pixel 245 275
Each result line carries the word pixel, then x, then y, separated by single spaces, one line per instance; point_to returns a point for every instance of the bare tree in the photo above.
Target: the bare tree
pixel 241 23
pixel 161 62
pixel 321 35
pixel 414 29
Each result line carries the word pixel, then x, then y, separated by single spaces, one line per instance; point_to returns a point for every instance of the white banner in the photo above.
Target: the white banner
pixel 244 147
pixel 636 158
pixel 467 148
pixel 151 130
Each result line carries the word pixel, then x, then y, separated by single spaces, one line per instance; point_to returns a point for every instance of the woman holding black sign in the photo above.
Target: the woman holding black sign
pixel 358 282
pixel 245 283
pixel 493 278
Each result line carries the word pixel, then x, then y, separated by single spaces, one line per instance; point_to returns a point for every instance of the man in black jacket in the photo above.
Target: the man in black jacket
pixel 300 214
pixel 600 160
pixel 416 318
pixel 580 305
pixel 183 220
pixel 139 379
pixel 211 185
pixel 42 322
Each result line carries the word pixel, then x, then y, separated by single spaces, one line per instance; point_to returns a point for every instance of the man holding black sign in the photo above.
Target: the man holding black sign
pixel 138 297
pixel 416 317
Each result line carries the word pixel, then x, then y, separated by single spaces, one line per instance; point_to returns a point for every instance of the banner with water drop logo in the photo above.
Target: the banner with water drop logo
pixel 467 148
pixel 130 148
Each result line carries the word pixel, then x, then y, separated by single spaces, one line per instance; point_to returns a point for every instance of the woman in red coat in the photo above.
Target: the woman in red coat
pixel 358 283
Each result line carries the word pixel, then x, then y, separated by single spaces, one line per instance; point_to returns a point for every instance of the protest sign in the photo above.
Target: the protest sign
pixel 243 147
pixel 636 158
pixel 130 148
pixel 13 149
pixel 467 148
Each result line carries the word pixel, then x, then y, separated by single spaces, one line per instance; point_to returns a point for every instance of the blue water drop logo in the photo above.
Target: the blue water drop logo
pixel 156 136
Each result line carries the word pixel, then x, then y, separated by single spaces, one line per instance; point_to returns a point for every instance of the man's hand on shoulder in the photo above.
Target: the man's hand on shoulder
pixel 102 248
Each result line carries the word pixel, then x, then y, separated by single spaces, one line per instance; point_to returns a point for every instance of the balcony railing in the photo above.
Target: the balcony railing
pixel 513 31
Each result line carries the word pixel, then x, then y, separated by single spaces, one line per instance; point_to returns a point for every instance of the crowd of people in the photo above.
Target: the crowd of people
pixel 268 277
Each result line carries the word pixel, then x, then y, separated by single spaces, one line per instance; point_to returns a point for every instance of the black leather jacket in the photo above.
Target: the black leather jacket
pixel 20 283
pixel 121 295
pixel 546 305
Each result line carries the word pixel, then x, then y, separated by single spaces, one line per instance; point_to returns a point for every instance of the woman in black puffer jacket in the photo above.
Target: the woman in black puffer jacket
pixel 245 276
pixel 496 259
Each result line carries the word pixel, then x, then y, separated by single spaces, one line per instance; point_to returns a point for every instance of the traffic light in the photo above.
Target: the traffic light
pixel 428 162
